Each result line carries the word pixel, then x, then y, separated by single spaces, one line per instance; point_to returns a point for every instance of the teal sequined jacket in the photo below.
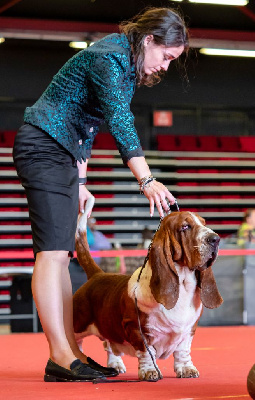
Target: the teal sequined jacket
pixel 95 85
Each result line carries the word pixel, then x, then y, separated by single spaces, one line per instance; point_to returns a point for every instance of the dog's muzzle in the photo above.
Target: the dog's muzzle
pixel 212 240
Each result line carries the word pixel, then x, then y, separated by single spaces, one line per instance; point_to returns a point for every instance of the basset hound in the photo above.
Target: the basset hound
pixel 175 283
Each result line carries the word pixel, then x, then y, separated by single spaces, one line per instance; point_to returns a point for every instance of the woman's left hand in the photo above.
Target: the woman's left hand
pixel 156 192
pixel 158 195
pixel 84 195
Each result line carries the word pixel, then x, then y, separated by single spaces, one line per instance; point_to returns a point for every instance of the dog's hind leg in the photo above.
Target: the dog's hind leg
pixel 114 361
pixel 79 342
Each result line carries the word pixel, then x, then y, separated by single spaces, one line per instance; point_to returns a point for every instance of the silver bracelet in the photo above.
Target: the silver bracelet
pixel 144 179
pixel 144 182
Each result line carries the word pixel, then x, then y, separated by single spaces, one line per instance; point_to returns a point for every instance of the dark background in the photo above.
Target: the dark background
pixel 217 99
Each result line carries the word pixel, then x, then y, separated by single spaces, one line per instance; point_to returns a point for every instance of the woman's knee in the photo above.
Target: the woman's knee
pixel 58 257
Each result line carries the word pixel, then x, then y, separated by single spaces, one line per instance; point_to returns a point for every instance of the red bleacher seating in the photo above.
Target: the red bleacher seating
pixel 209 143
pixel 177 143
pixel 104 141
pixel 247 143
pixel 187 143
pixel 205 143
pixel 229 143
pixel 7 138
pixel 167 143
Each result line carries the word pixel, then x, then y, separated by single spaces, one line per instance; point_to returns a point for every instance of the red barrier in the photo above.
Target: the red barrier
pixel 28 254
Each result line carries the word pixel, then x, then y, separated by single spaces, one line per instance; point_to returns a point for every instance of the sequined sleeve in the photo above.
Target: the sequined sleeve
pixel 110 77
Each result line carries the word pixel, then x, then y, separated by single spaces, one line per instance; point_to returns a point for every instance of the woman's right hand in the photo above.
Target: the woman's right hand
pixel 84 195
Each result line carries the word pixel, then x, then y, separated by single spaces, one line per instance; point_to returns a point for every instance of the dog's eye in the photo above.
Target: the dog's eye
pixel 185 228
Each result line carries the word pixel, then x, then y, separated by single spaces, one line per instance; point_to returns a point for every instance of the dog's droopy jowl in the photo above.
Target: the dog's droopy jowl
pixel 175 284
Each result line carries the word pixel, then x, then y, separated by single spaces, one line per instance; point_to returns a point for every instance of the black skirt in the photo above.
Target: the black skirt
pixel 49 175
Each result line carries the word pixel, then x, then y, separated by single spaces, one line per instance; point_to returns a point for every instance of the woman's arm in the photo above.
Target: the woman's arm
pixel 107 77
pixel 82 168
pixel 110 78
pixel 156 192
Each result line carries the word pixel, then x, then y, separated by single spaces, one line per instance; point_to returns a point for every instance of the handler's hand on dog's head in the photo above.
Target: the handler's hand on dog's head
pixel 158 195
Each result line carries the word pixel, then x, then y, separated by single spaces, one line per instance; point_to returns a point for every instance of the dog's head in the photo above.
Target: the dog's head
pixel 183 238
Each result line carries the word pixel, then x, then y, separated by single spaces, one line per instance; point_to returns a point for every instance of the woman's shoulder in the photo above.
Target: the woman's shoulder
pixel 114 43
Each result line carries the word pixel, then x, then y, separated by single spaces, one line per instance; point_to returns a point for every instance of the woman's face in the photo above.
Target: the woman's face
pixel 158 57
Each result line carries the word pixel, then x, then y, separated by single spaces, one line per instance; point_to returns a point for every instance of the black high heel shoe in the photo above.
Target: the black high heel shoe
pixel 78 372
pixel 104 370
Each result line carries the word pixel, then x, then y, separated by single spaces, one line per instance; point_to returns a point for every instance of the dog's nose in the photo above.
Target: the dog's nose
pixel 213 239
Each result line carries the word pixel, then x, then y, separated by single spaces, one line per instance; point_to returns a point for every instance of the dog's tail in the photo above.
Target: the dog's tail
pixel 83 254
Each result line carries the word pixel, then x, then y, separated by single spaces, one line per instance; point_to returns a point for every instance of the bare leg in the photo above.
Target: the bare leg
pixel 68 315
pixel 48 292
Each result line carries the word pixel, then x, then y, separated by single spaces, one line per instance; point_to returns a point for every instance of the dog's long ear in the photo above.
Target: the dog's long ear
pixel 210 296
pixel 164 282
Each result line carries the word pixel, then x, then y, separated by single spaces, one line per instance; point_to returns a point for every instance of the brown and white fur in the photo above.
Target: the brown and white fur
pixel 174 285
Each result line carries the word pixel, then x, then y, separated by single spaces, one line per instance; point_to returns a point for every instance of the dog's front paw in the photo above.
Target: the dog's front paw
pixel 118 365
pixel 149 375
pixel 187 372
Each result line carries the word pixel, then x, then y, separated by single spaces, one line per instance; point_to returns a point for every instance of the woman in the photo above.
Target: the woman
pixel 51 153
pixel 246 231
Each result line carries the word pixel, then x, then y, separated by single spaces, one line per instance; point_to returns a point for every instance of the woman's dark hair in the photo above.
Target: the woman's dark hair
pixel 167 28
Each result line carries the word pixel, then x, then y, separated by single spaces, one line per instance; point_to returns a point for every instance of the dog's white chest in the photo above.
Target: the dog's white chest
pixel 167 328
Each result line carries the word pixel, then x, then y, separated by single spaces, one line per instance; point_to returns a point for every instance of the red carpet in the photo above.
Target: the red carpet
pixel 223 356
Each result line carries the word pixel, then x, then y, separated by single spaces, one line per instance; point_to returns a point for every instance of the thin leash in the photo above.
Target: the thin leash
pixel 172 207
